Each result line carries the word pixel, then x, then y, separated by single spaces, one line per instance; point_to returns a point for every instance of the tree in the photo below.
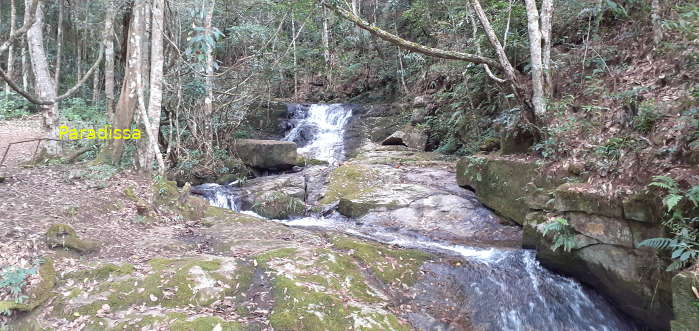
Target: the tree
pixel 109 60
pixel 533 99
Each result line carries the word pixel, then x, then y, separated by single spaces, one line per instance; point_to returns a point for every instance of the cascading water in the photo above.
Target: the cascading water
pixel 320 131
pixel 501 289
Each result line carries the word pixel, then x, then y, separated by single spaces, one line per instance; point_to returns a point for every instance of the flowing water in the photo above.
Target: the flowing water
pixel 319 131
pixel 501 289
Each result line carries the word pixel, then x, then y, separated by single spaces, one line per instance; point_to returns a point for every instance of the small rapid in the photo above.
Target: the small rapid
pixel 497 288
pixel 319 131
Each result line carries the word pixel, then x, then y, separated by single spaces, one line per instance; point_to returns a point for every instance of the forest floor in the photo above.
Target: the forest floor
pixel 89 198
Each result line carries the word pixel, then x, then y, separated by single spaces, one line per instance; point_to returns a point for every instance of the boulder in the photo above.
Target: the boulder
pixel 63 235
pixel 584 198
pixel 278 205
pixel 643 207
pixel 685 295
pixel 266 154
pixel 410 136
pixel 605 229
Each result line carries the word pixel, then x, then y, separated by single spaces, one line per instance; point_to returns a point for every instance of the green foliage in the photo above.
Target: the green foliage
pixel 646 118
pixel 687 21
pixel 13 106
pixel 13 279
pixel 614 147
pixel 679 203
pixel 564 235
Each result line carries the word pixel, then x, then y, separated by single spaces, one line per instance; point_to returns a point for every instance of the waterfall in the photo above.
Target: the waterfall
pixel 222 196
pixel 320 130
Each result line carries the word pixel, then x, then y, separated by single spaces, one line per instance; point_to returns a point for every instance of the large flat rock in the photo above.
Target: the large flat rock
pixel 266 154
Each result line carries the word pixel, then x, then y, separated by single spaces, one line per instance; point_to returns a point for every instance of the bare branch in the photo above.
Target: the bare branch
pixel 409 45
pixel 27 25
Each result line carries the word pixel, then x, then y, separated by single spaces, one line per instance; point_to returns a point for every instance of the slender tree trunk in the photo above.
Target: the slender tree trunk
pixel 546 22
pixel 128 99
pixel 293 44
pixel 59 46
pixel 109 60
pixel 326 45
pixel 151 117
pixel 10 50
pixel 25 67
pixel 208 101
pixel 535 39
pixel 44 83
pixel 96 87
pixel 656 17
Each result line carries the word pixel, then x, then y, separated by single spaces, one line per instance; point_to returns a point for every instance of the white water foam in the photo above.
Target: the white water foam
pixel 327 143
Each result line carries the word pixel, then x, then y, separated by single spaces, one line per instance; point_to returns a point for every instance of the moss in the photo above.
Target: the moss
pixel 299 308
pixel 278 205
pixel 63 235
pixel 275 254
pixel 389 265
pixel 130 194
pixel 684 300
pixel 165 192
pixel 205 324
pixel 102 272
pixel 348 274
pixel 39 294
pixel 349 181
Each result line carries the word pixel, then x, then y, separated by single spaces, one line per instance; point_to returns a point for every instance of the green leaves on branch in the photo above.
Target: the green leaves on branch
pixel 564 236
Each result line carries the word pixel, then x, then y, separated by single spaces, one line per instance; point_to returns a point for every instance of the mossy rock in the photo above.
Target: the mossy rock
pixel 582 198
pixel 278 205
pixel 685 300
pixel 63 235
pixel 303 161
pixel 349 181
pixel 39 294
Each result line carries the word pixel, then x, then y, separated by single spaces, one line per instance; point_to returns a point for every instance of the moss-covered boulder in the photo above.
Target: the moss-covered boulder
pixel 38 293
pixel 585 198
pixel 643 206
pixel 350 181
pixel 278 205
pixel 503 183
pixel 266 154
pixel 64 236
pixel 685 300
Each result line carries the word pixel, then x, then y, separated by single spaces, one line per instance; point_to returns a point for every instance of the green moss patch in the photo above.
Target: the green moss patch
pixel 389 265
pixel 350 181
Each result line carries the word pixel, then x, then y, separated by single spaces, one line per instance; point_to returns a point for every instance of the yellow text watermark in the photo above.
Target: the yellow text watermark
pixel 105 133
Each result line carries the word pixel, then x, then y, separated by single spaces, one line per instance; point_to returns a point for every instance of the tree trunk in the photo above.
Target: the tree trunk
pixel 44 83
pixel 59 46
pixel 96 87
pixel 293 44
pixel 25 69
pixel 208 101
pixel 109 60
pixel 535 39
pixel 125 107
pixel 10 50
pixel 326 45
pixel 151 117
pixel 546 22
pixel 656 17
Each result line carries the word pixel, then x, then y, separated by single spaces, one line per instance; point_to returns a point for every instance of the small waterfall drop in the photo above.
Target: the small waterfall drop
pixel 320 130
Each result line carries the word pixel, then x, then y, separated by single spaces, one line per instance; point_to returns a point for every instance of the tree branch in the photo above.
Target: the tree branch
pixel 27 25
pixel 409 45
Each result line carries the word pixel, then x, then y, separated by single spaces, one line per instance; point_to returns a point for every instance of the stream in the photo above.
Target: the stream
pixel 498 288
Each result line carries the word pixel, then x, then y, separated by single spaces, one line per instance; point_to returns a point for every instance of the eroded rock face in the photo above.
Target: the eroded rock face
pixel 685 295
pixel 607 229
pixel 410 136
pixel 266 154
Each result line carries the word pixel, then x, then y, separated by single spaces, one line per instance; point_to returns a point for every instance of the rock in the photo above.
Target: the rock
pixel 39 293
pixel 410 136
pixel 419 115
pixel 2 179
pixel 685 295
pixel 293 185
pixel 278 205
pixel 605 229
pixel 501 183
pixel 516 140
pixel 266 154
pixel 643 207
pixel 63 235
pixel 421 101
pixel 584 198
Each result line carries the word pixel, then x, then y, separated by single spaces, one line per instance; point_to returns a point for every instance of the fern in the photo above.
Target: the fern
pixel 564 235
pixel 683 245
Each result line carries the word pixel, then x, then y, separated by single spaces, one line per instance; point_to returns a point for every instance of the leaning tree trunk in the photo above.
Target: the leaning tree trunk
pixel 151 118
pixel 125 107
pixel 43 82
